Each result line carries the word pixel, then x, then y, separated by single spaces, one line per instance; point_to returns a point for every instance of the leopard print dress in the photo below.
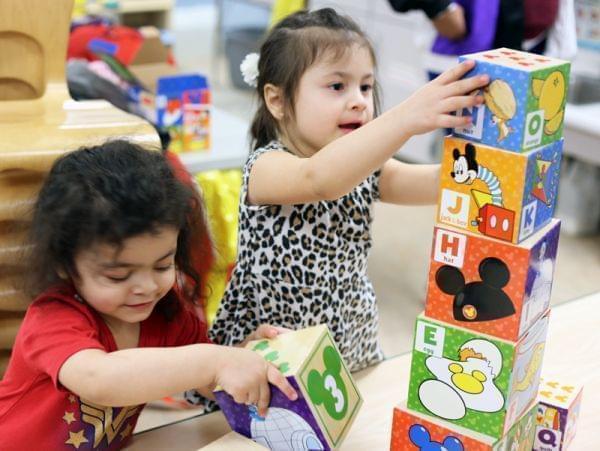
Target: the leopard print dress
pixel 302 265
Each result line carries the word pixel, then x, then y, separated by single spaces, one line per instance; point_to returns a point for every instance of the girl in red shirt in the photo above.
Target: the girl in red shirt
pixel 114 327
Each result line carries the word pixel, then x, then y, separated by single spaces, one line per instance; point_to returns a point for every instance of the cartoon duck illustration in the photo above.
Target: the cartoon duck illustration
pixel 548 417
pixel 467 383
pixel 534 365
pixel 500 99
pixel 551 93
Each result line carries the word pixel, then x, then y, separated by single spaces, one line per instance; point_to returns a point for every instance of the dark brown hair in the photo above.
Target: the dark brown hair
pixel 291 47
pixel 106 194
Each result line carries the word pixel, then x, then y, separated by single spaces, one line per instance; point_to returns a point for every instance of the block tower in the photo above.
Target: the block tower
pixel 478 347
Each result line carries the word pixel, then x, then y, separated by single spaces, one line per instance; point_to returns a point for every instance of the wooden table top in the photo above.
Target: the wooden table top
pixel 572 355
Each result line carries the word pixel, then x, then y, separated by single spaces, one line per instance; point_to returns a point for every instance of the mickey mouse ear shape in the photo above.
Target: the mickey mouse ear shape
pixel 449 279
pixel 453 444
pixel 494 272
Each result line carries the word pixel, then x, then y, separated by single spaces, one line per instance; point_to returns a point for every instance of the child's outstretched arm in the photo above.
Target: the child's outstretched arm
pixel 138 375
pixel 281 179
pixel 409 184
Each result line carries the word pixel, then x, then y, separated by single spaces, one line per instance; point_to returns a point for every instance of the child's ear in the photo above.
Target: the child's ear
pixel 274 100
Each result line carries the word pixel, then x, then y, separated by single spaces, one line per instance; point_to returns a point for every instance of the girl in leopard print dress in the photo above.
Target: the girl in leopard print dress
pixel 318 163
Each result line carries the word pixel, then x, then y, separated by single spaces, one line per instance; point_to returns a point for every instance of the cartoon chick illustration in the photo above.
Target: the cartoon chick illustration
pixel 500 99
pixel 551 93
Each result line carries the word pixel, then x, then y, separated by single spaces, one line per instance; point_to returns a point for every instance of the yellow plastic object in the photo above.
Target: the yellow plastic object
pixel 79 9
pixel 221 192
pixel 283 8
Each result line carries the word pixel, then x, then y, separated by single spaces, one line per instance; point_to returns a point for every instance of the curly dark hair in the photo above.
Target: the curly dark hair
pixel 106 194
pixel 290 48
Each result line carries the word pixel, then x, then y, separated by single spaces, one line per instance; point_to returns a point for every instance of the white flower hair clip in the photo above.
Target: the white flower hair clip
pixel 249 68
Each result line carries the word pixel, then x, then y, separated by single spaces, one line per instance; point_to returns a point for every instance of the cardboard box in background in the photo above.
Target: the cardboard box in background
pixel 174 102
pixel 153 60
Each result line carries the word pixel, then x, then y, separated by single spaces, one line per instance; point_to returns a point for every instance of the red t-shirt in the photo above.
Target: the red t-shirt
pixel 36 411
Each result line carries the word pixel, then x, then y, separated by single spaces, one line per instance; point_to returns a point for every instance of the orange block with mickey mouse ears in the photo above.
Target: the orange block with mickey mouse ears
pixel 417 431
pixel 491 286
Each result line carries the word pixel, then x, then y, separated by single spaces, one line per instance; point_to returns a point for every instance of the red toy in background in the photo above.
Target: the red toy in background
pixel 127 41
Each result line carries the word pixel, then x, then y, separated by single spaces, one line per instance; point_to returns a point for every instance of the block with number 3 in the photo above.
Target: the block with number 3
pixel 328 400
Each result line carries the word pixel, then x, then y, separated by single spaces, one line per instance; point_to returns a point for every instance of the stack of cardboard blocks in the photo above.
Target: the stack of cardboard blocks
pixel 479 345
pixel 327 403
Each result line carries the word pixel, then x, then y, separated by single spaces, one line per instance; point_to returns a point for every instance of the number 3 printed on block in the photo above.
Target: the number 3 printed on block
pixel 329 388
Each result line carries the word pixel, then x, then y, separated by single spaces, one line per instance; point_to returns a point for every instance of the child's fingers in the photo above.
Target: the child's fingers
pixel 450 121
pixel 263 399
pixel 268 331
pixel 239 396
pixel 458 103
pixel 265 331
pixel 275 377
pixel 282 330
pixel 468 86
pixel 455 73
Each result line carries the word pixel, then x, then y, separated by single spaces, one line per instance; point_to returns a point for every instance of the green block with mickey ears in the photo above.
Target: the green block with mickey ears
pixel 476 381
pixel 310 359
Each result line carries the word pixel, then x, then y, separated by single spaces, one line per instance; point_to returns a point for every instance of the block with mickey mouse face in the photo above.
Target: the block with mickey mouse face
pixel 499 194
pixel 488 285
pixel 524 101
pixel 328 400
pixel 557 414
pixel 417 431
pixel 474 381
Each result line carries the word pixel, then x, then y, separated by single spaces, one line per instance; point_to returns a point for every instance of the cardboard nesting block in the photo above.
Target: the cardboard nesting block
pixel 557 414
pixel 524 101
pixel 475 381
pixel 328 400
pixel 417 431
pixel 495 193
pixel 490 286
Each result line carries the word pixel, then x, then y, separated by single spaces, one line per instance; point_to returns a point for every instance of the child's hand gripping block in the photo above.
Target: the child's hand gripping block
pixel 488 285
pixel 472 380
pixel 524 101
pixel 557 414
pixel 495 193
pixel 417 431
pixel 328 400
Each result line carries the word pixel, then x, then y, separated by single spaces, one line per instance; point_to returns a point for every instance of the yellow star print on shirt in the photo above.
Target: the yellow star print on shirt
pixel 76 439
pixel 69 417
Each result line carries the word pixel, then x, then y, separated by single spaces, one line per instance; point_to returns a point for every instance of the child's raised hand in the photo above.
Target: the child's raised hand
pixel 246 375
pixel 430 107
